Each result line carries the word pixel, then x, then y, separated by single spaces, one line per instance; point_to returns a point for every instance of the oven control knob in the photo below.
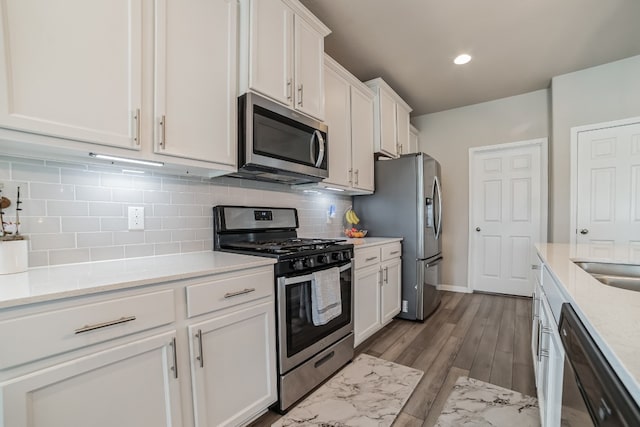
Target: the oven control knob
pixel 337 256
pixel 310 262
pixel 298 265
pixel 347 255
pixel 323 259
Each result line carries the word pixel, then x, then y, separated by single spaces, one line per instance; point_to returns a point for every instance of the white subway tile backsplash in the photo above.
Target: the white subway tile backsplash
pixel 101 209
pixel 39 224
pixel 93 194
pixel 51 191
pixel 80 177
pixel 106 253
pixel 67 208
pixel 82 224
pixel 37 173
pixel 75 212
pixel 123 195
pixel 92 240
pixel 44 242
pixel 134 251
pixel 69 256
pixel 128 237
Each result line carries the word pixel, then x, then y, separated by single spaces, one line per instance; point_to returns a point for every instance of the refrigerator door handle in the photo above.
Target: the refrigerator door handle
pixel 434 262
pixel 436 187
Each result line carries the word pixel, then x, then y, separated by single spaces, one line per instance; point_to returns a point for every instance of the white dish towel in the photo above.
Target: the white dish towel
pixel 326 303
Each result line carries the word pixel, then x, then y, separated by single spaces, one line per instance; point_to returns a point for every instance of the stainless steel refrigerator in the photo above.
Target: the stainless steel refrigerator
pixel 408 203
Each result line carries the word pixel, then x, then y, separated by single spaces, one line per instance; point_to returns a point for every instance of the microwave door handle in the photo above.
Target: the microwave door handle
pixel 317 135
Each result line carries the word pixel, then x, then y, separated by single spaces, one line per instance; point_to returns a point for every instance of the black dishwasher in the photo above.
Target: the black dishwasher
pixel 592 393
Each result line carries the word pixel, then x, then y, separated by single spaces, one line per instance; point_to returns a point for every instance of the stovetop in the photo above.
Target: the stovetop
pixel 292 245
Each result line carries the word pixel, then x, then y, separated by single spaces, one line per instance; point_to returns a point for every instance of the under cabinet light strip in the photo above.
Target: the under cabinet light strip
pixel 126 160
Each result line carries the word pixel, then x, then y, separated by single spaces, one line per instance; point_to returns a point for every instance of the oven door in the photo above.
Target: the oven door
pixel 298 338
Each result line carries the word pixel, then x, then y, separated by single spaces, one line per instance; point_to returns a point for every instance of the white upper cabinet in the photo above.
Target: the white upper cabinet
pixel 414 140
pixel 195 97
pixel 350 120
pixel 391 125
pixel 282 54
pixel 72 70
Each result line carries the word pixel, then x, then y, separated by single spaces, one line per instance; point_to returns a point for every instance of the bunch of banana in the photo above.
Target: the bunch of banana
pixel 351 216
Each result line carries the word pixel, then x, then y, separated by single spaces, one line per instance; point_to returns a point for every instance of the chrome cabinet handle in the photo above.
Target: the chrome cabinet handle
pixel 394 252
pixel 201 355
pixel 87 328
pixel 300 93
pixel 386 275
pixel 357 176
pixel 289 89
pixel 544 353
pixel 163 133
pixel 584 231
pixel 174 368
pixel 370 258
pixel 136 118
pixel 242 292
pixel 350 176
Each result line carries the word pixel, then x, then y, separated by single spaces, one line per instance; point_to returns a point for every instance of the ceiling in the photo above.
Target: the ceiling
pixel 517 45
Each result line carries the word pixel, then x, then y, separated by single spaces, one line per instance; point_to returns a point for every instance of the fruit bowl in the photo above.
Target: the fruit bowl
pixel 352 233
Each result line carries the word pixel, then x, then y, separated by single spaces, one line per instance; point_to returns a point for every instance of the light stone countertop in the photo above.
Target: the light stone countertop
pixel 63 281
pixel 611 315
pixel 366 242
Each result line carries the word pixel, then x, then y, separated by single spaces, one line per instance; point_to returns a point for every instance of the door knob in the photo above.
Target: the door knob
pixel 478 229
pixel 584 231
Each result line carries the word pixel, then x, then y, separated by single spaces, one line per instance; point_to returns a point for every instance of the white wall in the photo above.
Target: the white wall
pixel 599 94
pixel 448 135
pixel 74 212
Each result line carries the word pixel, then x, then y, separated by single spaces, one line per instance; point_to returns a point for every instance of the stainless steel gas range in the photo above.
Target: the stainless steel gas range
pixel 308 353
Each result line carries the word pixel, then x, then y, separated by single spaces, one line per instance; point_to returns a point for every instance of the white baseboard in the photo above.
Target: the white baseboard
pixel 451 288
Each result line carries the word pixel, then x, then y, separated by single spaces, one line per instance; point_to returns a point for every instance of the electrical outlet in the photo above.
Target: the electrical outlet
pixel 136 218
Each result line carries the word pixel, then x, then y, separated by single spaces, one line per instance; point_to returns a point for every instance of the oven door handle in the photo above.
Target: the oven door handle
pixel 308 277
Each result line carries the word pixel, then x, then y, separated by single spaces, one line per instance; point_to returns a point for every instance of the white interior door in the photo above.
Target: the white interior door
pixel 506 215
pixel 608 191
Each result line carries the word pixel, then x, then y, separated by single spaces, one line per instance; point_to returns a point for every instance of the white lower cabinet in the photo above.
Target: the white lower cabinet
pixel 233 366
pixel 128 385
pixel 123 358
pixel 548 356
pixel 378 284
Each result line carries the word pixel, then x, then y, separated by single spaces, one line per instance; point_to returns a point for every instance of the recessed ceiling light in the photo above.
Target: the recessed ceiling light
pixel 462 59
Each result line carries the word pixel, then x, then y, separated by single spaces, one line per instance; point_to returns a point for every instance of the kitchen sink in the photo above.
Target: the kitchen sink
pixel 624 276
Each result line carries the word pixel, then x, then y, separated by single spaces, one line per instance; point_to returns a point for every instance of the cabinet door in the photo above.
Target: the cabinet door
pixel 195 93
pixel 131 385
pixel 362 139
pixel 535 323
pixel 403 124
pixel 414 141
pixel 391 288
pixel 271 50
pixel 72 69
pixel 551 367
pixel 388 135
pixel 233 366
pixel 337 118
pixel 367 303
pixel 309 76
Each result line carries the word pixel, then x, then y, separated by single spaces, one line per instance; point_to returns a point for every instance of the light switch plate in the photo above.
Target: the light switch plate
pixel 136 218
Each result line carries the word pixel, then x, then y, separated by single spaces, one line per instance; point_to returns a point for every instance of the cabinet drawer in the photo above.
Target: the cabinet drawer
pixel 46 334
pixel 229 291
pixel 392 250
pixel 366 257
pixel 553 294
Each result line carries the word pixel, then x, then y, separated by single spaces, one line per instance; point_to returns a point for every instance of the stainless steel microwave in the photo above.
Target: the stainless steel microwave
pixel 279 144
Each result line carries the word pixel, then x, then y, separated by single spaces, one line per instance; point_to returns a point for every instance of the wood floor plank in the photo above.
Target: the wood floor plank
pixel 445 390
pixel 502 366
pixel 406 420
pixel 391 333
pixel 467 353
pixel 433 348
pixel 522 377
pixel 483 361
pixel 471 306
pixel 425 394
pixel 400 346
pixel 453 301
pixel 461 308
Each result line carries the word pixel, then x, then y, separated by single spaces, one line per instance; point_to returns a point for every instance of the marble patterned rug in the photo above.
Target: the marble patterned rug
pixel 367 392
pixel 477 403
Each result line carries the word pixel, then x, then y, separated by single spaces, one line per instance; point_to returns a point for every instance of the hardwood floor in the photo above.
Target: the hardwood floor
pixel 482 336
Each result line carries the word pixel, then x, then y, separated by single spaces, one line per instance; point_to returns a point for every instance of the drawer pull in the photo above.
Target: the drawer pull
pixel 88 328
pixel 200 358
pixel 242 292
pixel 370 258
pixel 174 368
pixel 394 252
